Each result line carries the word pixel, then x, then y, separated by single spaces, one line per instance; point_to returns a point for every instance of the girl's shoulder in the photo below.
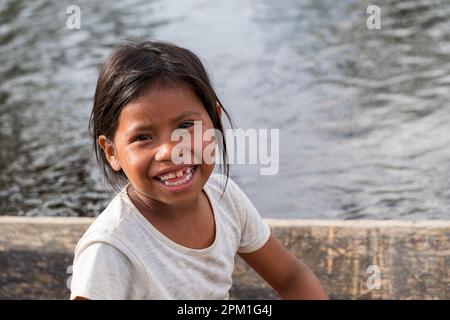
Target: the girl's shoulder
pixel 112 224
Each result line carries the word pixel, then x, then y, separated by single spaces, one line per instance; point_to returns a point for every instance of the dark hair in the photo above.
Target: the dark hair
pixel 132 68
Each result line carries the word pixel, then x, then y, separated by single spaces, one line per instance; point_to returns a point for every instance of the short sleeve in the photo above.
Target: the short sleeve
pixel 254 230
pixel 101 271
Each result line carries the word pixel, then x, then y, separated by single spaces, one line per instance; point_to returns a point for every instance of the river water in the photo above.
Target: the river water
pixel 364 115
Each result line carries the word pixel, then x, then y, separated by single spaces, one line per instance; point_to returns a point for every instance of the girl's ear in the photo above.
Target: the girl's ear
pixel 218 110
pixel 110 152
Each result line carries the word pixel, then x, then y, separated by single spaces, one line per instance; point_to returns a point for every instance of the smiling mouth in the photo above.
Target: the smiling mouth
pixel 179 177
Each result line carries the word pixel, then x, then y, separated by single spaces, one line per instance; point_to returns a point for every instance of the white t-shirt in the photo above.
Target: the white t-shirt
pixel 123 256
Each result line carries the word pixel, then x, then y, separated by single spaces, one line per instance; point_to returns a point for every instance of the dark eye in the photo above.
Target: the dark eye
pixel 186 124
pixel 143 137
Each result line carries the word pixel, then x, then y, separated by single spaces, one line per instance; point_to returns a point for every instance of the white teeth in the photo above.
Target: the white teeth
pixel 177 174
pixel 170 176
pixel 184 180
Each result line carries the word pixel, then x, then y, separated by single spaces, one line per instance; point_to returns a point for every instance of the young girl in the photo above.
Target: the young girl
pixel 173 230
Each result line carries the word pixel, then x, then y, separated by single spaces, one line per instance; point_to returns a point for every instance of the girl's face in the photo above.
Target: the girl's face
pixel 142 145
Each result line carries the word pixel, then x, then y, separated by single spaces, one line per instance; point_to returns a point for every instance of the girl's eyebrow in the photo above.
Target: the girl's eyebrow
pixel 140 127
pixel 185 114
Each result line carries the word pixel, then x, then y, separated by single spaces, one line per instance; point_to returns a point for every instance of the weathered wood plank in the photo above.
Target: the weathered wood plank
pixel 413 257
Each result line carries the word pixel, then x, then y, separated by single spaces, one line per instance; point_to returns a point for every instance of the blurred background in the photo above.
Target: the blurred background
pixel 364 115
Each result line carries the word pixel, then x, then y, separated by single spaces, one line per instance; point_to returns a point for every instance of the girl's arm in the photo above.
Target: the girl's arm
pixel 288 276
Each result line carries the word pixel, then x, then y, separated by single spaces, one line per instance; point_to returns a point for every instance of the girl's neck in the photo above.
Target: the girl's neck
pixel 161 211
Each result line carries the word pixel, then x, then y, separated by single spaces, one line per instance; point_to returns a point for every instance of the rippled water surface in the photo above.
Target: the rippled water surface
pixel 364 115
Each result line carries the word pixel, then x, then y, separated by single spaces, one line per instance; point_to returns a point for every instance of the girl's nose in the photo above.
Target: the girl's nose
pixel 164 152
pixel 169 149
